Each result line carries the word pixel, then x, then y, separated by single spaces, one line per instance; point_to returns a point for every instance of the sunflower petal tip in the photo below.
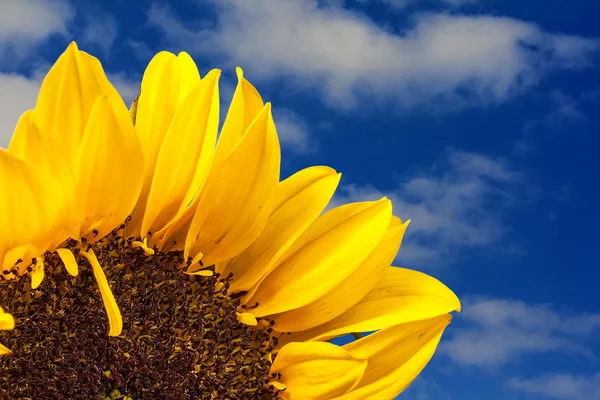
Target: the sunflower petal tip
pixel 247 318
pixel 7 321
pixel 278 385
pixel 216 72
pixel 239 72
pixel 5 351
pixel 202 272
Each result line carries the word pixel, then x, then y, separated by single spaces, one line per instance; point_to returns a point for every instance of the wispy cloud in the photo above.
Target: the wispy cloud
pixel 560 386
pixel 449 3
pixel 424 389
pixel 438 60
pixel 564 110
pixel 293 131
pixel 453 206
pixel 100 30
pixel 498 331
pixel 18 94
pixel 24 24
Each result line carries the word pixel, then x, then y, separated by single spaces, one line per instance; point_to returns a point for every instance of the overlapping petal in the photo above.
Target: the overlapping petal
pixel 245 106
pixel 185 155
pixel 303 196
pixel 67 95
pixel 167 82
pixel 244 109
pixel 323 256
pixel 317 371
pixel 33 209
pixel 238 195
pixel 351 290
pixel 108 170
pixel 29 144
pixel 396 356
pixel 402 295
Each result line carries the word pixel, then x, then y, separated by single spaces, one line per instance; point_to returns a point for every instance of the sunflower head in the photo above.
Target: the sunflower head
pixel 143 259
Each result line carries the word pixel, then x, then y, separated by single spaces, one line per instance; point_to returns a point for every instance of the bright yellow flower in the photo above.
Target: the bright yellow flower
pixel 213 278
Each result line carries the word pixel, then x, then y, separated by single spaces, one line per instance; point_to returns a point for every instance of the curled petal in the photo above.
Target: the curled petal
pixel 7 321
pixel 316 370
pixel 396 356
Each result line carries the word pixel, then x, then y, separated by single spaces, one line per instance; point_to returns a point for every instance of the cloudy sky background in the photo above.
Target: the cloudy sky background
pixel 479 118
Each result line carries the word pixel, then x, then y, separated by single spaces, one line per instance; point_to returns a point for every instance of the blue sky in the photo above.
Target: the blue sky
pixel 479 118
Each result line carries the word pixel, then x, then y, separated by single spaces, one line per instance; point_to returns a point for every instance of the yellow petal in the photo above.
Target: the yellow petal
pixel 396 356
pixel 202 272
pixel 402 295
pixel 4 350
pixel 37 276
pixel 245 106
pixel 157 101
pixel 112 309
pixel 277 385
pixel 7 321
pixel 188 76
pixel 107 89
pixel 67 96
pixel 148 251
pixel 351 290
pixel 108 172
pixel 167 82
pixel 304 195
pixel 69 261
pixel 247 319
pixel 326 254
pixel 29 144
pixel 33 210
pixel 316 370
pixel 185 155
pixel 238 195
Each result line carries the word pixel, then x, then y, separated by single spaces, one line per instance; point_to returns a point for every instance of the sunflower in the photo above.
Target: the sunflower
pixel 144 259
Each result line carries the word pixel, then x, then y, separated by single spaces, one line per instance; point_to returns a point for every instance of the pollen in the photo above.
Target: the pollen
pixel 182 335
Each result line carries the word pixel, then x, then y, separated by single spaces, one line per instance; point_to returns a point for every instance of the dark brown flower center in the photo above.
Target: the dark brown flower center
pixel 181 338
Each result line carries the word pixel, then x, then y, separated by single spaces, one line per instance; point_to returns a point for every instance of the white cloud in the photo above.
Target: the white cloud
pixel 26 23
pixel 292 130
pixel 452 208
pixel 17 94
pixel 500 330
pixel 438 60
pixel 450 3
pixel 560 386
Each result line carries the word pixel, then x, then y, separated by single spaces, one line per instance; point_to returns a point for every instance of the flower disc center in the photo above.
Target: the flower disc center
pixel 180 340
